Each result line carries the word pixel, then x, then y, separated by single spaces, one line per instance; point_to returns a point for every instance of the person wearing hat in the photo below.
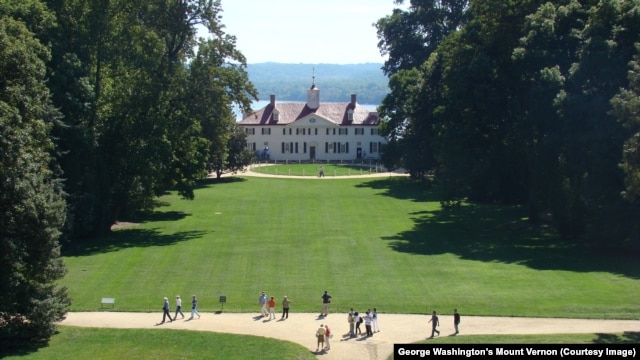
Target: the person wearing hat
pixel 320 336
pixel 178 308
pixel 285 307
pixel 165 309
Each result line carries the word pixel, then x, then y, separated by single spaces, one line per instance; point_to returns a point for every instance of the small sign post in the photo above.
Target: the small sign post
pixel 223 299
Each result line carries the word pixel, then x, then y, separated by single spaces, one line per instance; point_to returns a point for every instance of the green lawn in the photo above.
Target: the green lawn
pixel 382 243
pixel 116 344
pixel 363 167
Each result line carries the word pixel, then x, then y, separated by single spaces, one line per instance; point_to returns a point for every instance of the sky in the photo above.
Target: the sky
pixel 306 31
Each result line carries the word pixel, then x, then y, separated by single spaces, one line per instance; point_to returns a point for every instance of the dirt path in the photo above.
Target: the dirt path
pixel 249 172
pixel 395 328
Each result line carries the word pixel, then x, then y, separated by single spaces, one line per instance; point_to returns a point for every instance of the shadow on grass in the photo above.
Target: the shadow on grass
pixel 628 337
pixel 129 238
pixel 204 183
pixel 492 233
pixel 401 188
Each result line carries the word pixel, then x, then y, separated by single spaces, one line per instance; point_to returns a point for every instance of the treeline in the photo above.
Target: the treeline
pixel 104 105
pixel 336 82
pixel 524 102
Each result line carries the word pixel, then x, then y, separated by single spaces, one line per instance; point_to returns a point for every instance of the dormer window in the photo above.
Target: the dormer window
pixel 276 115
pixel 350 115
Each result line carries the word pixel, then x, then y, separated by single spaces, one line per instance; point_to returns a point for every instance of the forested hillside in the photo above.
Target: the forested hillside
pixel 336 82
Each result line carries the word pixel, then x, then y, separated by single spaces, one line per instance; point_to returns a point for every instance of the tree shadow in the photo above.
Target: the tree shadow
pixel 492 233
pixel 156 216
pixel 401 188
pixel 204 183
pixel 128 238
pixel 628 337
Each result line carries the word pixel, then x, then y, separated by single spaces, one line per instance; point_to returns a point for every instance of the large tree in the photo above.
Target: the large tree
pixel 218 80
pixel 134 112
pixel 409 36
pixel 515 107
pixel 32 205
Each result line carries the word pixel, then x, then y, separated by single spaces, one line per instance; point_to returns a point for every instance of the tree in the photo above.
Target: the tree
pixel 132 127
pixel 32 205
pixel 409 37
pixel 218 79
pixel 626 108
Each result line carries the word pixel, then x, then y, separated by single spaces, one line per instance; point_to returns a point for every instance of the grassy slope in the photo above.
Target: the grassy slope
pixel 381 243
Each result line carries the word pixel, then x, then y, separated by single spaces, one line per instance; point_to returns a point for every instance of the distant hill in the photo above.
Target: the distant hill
pixel 290 82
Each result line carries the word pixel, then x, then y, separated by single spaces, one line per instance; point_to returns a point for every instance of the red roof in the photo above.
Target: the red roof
pixel 334 112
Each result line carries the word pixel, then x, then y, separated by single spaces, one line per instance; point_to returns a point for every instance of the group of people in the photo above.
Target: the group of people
pixel 370 320
pixel 435 322
pixel 323 335
pixel 268 306
pixel 166 309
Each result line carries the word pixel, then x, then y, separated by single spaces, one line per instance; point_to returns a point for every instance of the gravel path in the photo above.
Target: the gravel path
pixel 395 328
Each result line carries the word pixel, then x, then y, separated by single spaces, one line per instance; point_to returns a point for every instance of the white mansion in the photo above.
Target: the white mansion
pixel 313 130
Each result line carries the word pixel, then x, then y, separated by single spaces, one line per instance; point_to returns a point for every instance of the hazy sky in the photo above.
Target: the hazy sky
pixel 306 31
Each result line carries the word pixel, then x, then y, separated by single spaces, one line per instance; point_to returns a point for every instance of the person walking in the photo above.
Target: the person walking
pixel 286 303
pixel 165 310
pixel 374 322
pixel 194 307
pixel 434 324
pixel 262 301
pixel 320 338
pixel 456 320
pixel 272 308
pixel 326 300
pixel 327 337
pixel 178 308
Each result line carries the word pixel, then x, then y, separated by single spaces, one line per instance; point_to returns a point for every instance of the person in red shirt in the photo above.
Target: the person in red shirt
pixel 272 308
pixel 327 336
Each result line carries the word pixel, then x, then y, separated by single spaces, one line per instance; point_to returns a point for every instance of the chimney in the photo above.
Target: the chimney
pixel 272 99
pixel 353 100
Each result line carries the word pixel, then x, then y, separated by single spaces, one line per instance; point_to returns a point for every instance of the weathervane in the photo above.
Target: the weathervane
pixel 313 77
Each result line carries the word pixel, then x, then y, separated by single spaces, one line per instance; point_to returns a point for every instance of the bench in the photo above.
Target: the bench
pixel 107 301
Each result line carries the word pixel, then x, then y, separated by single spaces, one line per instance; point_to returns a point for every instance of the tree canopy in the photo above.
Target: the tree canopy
pixel 32 205
pixel 104 105
pixel 526 102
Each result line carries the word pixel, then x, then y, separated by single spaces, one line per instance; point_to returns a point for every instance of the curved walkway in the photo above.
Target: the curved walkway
pixel 395 328
pixel 250 172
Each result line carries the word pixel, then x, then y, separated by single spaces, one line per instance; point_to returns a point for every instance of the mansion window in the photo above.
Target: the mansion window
pixel 250 131
pixel 359 131
pixel 266 131
pixel 375 132
pixel 374 147
pixel 343 131
pixel 293 147
pixel 336 147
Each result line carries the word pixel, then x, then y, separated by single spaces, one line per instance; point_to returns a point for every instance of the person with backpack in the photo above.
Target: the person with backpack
pixel 359 320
